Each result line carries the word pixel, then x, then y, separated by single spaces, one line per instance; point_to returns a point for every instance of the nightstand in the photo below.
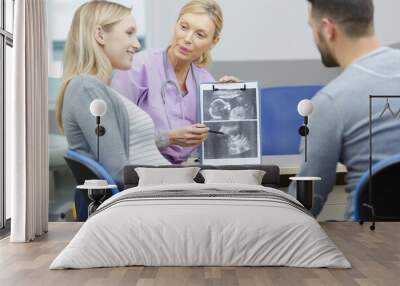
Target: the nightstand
pixel 305 189
pixel 97 192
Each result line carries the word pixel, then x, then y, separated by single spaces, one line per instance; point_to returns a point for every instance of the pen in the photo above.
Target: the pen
pixel 216 132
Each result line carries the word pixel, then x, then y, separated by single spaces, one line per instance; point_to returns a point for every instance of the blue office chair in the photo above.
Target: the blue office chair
pixel 384 203
pixel 279 118
pixel 84 168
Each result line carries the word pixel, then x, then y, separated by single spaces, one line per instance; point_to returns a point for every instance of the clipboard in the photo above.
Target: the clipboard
pixel 233 110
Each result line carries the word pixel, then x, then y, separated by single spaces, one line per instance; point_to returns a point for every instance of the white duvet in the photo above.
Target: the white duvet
pixel 203 231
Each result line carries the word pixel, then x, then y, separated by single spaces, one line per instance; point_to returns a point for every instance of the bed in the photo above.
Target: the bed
pixel 201 224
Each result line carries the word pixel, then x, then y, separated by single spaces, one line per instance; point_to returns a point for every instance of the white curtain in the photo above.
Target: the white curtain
pixel 27 124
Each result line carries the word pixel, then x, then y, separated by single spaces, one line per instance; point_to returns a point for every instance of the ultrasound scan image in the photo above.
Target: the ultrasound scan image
pixel 225 104
pixel 239 140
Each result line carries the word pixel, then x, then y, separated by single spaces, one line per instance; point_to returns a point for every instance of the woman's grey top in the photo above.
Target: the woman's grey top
pixel 129 137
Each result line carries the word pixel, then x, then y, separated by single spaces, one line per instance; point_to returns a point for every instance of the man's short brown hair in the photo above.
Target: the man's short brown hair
pixel 355 17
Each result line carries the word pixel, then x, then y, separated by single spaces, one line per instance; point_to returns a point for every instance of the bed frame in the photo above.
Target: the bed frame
pixel 270 179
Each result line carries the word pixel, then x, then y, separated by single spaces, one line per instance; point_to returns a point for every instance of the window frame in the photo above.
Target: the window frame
pixel 6 39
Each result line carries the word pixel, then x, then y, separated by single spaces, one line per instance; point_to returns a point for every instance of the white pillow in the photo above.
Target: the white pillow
pixel 248 177
pixel 166 176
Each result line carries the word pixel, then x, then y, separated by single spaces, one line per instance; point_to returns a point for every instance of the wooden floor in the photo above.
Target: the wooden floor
pixel 375 257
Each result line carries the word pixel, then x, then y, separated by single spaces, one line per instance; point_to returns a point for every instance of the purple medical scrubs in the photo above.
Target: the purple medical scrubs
pixel 142 84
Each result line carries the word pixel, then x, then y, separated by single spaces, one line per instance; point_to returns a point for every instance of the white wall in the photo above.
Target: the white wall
pixel 59 18
pixel 262 29
pixel 60 13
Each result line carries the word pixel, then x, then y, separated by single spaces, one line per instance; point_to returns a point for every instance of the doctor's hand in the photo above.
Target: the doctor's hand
pixel 228 78
pixel 189 136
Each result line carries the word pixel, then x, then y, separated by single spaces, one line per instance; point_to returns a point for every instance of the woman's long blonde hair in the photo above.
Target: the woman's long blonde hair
pixel 82 52
pixel 213 10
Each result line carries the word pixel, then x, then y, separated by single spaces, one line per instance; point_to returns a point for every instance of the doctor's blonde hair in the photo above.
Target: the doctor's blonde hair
pixel 82 52
pixel 214 11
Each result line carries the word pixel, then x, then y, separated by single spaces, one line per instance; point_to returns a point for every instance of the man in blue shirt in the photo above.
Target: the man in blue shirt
pixel 343 31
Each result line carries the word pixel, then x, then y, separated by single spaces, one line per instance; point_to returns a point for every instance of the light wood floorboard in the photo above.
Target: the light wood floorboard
pixel 375 257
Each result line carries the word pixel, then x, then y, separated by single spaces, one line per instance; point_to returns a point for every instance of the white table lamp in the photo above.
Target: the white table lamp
pixel 98 108
pixel 305 108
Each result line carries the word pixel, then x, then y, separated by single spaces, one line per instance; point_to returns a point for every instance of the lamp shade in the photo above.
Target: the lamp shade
pixel 305 107
pixel 98 107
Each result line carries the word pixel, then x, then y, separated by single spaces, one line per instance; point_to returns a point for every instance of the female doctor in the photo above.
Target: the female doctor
pixel 165 82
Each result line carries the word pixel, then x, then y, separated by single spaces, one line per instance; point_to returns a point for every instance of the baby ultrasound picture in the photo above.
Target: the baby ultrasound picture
pixel 225 104
pixel 231 113
pixel 238 140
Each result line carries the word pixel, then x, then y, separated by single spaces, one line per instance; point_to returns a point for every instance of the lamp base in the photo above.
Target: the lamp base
pixel 303 130
pixel 100 130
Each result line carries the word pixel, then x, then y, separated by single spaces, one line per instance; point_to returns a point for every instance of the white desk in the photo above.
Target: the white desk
pixel 290 164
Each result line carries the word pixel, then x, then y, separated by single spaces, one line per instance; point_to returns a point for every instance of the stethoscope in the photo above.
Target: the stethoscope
pixel 170 83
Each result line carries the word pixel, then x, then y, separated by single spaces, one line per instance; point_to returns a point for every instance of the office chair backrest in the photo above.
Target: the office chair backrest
pixel 385 192
pixel 279 118
pixel 84 168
